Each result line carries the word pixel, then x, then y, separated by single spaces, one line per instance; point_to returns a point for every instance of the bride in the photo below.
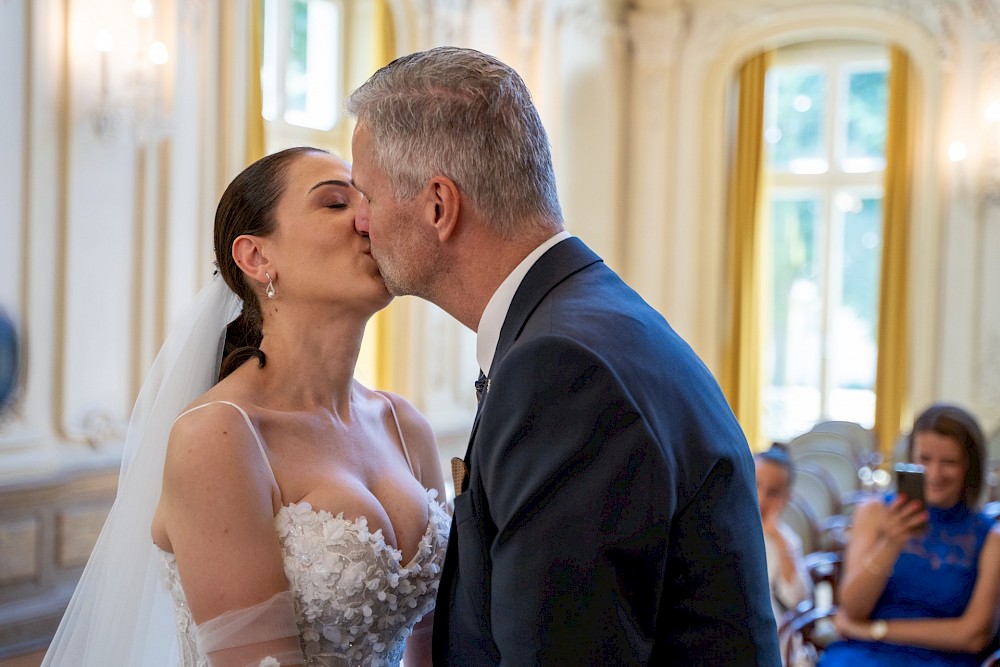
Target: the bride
pixel 293 512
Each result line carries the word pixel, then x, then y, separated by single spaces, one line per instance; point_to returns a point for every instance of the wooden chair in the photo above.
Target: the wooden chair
pixel 809 628
pixel 824 568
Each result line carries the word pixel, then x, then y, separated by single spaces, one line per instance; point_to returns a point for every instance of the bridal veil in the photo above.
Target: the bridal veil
pixel 121 613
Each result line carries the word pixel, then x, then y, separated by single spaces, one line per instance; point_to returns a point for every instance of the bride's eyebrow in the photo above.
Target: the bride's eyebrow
pixel 343 184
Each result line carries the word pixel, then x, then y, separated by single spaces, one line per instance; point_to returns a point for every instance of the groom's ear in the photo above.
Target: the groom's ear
pixel 250 255
pixel 443 205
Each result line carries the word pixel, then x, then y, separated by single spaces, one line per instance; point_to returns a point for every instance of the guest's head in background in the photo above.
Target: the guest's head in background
pixel 948 441
pixel 775 474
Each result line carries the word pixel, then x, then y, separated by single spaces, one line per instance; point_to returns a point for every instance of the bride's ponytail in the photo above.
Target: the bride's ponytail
pixel 247 207
pixel 243 337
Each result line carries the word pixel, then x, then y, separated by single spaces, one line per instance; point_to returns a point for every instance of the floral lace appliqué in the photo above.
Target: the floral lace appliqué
pixel 355 600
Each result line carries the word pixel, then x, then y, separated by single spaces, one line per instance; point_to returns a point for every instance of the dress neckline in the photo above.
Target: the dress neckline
pixel 954 514
pixel 359 525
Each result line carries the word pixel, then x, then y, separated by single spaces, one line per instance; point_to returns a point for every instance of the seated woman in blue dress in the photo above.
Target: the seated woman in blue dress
pixel 922 587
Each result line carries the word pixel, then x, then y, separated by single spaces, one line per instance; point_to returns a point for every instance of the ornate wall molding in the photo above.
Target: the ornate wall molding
pixel 590 19
pixel 657 37
pixel 987 17
pixel 944 19
pixel 47 531
pixel 714 28
pixel 937 18
pixel 447 20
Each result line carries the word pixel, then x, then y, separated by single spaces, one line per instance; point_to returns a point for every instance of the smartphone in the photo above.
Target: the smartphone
pixel 910 481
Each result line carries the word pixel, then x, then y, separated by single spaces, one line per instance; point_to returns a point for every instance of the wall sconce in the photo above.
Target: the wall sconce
pixel 957 151
pixel 142 106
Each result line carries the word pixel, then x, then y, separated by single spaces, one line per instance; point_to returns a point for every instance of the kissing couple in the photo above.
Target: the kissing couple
pixel 274 511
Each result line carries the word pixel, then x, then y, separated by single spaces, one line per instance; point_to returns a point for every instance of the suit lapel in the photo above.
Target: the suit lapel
pixel 559 263
pixel 556 265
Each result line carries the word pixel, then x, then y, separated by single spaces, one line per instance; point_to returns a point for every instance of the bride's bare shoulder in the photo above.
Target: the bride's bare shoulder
pixel 419 438
pixel 413 425
pixel 216 480
pixel 215 436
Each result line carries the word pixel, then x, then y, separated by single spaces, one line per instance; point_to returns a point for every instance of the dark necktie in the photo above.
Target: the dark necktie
pixel 482 385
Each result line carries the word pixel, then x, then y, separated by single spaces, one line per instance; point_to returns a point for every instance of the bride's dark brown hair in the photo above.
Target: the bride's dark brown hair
pixel 247 207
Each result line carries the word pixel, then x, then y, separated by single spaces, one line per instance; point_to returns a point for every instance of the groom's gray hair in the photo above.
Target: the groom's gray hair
pixel 466 115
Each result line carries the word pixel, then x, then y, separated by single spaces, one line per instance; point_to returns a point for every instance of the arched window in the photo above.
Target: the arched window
pixel 825 122
pixel 819 228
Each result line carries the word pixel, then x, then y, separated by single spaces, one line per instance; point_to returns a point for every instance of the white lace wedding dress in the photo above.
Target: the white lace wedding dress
pixel 355 600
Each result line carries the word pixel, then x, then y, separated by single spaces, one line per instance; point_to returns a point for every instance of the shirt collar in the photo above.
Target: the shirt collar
pixel 488 334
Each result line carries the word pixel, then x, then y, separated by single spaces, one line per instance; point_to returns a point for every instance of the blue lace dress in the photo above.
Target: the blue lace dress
pixel 933 578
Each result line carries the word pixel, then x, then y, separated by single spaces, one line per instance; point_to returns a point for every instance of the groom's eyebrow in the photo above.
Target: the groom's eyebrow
pixel 343 184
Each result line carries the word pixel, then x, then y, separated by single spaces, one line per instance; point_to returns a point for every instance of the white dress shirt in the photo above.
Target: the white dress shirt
pixel 488 332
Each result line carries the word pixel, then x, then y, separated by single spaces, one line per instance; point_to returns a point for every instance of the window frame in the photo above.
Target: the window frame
pixel 279 132
pixel 837 60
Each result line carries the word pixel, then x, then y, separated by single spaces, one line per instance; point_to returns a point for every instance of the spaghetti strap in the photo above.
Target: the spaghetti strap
pixel 256 436
pixel 402 440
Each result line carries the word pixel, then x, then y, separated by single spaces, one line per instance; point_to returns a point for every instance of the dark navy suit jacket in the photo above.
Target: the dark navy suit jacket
pixel 610 513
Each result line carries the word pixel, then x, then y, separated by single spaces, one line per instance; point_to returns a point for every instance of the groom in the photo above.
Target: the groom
pixel 608 515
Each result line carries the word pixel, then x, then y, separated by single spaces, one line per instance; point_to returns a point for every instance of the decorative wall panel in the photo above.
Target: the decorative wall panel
pixel 19 552
pixel 77 530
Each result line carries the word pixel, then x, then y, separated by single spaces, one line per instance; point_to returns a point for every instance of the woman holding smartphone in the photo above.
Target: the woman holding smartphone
pixel 921 584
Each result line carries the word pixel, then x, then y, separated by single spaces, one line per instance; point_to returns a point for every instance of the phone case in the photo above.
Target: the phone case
pixel 910 482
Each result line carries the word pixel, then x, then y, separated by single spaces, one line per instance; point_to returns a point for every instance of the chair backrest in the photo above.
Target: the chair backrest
pixel 861 438
pixel 798 516
pixel 815 486
pixel 842 469
pixel 825 442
